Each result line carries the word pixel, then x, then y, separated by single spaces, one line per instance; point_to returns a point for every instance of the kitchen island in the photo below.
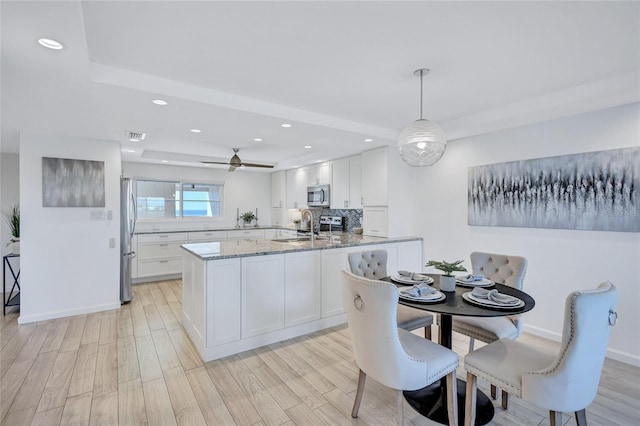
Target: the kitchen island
pixel 240 295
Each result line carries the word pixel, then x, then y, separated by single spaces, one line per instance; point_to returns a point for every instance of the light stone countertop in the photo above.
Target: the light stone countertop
pixel 228 228
pixel 244 248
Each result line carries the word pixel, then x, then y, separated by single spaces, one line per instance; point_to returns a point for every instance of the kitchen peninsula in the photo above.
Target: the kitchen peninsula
pixel 240 295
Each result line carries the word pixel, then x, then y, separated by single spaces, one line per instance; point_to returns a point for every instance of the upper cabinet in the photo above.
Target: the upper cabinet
pixel 278 189
pixel 297 182
pixel 374 177
pixel 345 188
pixel 320 174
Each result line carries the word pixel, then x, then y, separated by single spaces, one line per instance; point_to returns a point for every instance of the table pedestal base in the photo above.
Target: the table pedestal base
pixel 431 402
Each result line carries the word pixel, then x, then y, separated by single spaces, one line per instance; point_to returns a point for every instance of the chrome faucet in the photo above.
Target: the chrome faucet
pixel 310 214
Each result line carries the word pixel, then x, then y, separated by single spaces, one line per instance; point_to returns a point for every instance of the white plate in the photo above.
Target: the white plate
pixel 408 281
pixel 427 298
pixel 481 283
pixel 485 303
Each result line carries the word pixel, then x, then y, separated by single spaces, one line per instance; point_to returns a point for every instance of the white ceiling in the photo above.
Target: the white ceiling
pixel 339 72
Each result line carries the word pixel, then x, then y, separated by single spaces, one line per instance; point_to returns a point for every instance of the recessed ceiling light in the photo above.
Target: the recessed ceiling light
pixel 50 43
pixel 368 140
pixel 159 102
pixel 307 146
pixel 286 125
pixel 195 131
pixel 131 150
pixel 257 139
pixel 165 161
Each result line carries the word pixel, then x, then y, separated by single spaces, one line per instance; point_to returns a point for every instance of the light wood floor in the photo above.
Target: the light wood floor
pixel 136 365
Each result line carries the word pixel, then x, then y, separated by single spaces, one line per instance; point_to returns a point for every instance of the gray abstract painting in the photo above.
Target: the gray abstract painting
pixel 592 191
pixel 72 183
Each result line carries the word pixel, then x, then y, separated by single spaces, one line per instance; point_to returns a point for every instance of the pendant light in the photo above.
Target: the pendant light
pixel 422 142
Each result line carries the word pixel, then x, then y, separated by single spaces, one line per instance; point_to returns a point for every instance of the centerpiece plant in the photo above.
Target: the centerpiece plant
pixel 448 267
pixel 447 281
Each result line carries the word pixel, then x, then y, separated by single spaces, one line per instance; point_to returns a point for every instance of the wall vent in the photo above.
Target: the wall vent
pixel 136 136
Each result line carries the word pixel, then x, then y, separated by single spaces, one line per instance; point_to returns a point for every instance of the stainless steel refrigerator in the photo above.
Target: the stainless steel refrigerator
pixel 127 228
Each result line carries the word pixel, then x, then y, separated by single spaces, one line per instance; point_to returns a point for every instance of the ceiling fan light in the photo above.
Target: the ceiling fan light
pixel 422 143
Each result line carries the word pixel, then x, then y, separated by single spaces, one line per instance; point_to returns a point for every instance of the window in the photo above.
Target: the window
pixel 201 200
pixel 163 199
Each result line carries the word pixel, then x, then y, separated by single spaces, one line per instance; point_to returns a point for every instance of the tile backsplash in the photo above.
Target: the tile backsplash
pixel 352 217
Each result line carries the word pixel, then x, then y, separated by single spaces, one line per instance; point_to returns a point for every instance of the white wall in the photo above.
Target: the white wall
pixel 242 189
pixel 560 261
pixel 67 267
pixel 9 194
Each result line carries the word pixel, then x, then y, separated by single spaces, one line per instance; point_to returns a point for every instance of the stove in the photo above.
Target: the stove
pixel 332 223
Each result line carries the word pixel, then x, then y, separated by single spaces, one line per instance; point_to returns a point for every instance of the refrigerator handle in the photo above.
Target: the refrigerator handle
pixel 135 214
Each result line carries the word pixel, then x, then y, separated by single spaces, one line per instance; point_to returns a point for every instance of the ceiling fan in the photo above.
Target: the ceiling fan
pixel 235 162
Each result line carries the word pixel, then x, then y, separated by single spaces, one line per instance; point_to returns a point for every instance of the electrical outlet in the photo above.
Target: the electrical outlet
pixel 112 243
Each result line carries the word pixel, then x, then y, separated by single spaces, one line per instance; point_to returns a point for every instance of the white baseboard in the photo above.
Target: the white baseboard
pixel 24 319
pixel 614 354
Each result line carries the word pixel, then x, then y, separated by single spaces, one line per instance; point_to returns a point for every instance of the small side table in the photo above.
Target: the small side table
pixel 13 299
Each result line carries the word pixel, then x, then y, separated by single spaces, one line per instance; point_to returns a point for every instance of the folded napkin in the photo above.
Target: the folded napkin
pixel 470 278
pixel 418 290
pixel 413 276
pixel 495 297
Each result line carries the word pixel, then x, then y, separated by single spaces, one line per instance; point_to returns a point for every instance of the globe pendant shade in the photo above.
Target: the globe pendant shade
pixel 422 143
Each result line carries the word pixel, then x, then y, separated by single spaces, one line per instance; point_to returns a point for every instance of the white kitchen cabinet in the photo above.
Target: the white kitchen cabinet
pixel 278 189
pixel 375 221
pixel 333 263
pixel 340 185
pixel 346 189
pixel 355 182
pixel 410 256
pixel 270 234
pixel 319 174
pixel 207 236
pixel 246 234
pixel 159 254
pixel 302 287
pixel 262 294
pixel 374 177
pixel 223 301
pixel 296 188
pixel 286 233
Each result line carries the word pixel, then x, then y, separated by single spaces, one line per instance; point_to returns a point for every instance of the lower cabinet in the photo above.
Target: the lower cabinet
pixel 223 301
pixel 262 294
pixel 302 287
pixel 333 262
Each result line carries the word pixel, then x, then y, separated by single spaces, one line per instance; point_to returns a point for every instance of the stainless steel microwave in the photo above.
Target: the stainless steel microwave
pixel 318 196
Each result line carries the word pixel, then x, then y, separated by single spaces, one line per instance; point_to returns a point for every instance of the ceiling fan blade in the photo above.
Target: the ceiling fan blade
pixel 213 162
pixel 266 166
pixel 232 168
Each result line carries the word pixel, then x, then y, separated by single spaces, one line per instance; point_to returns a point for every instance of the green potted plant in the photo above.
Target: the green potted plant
pixel 296 223
pixel 247 217
pixel 13 220
pixel 447 281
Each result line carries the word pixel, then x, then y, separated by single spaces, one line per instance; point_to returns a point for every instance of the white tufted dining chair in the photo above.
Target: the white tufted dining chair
pixel 502 269
pixel 390 355
pixel 564 382
pixel 373 265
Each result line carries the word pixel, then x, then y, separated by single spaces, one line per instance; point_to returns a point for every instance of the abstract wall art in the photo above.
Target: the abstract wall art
pixel 591 191
pixel 72 183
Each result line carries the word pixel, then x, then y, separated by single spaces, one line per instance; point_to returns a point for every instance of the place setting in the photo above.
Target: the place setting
pixel 411 278
pixel 472 280
pixel 492 299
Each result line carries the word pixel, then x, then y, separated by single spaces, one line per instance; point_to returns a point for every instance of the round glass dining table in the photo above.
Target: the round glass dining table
pixel 431 401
